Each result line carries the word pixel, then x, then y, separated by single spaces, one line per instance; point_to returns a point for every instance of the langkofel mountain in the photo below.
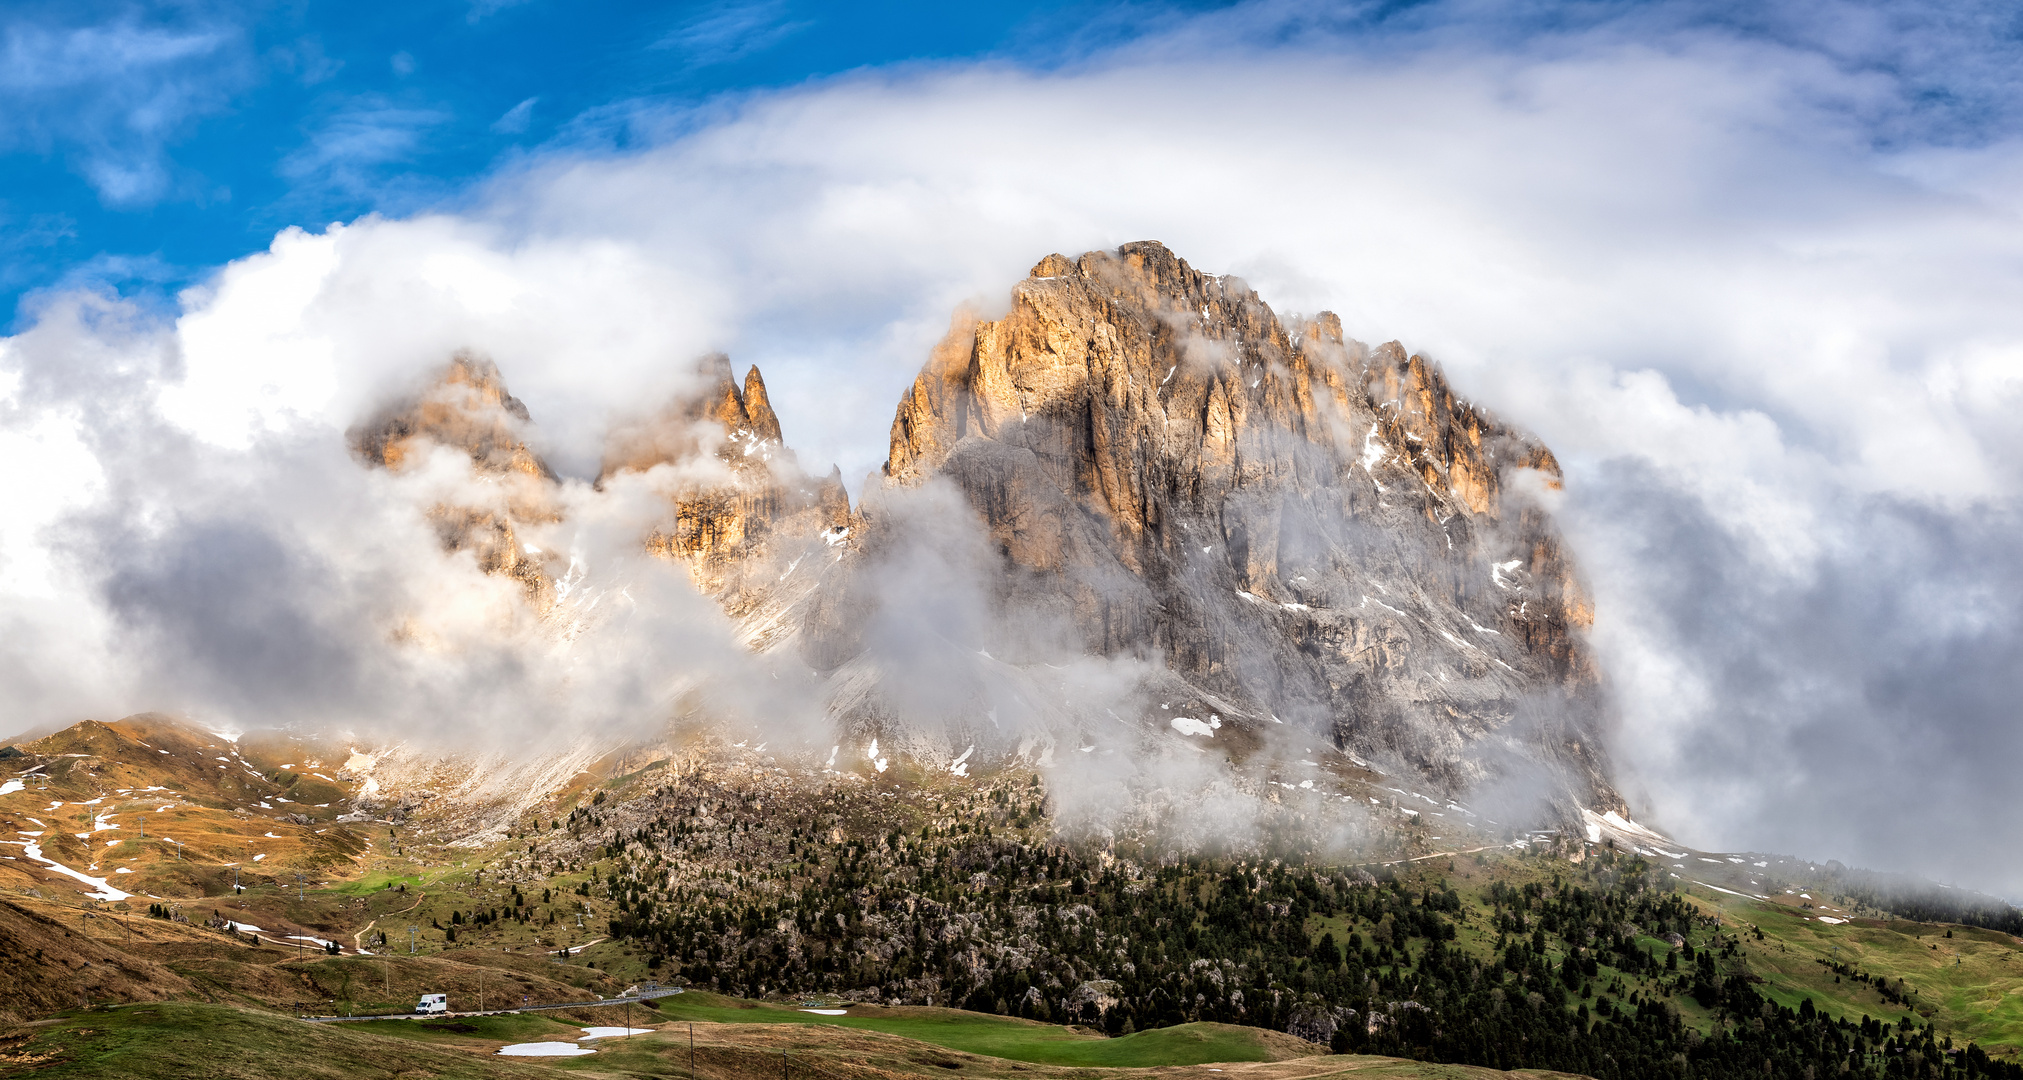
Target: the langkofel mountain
pixel 1275 534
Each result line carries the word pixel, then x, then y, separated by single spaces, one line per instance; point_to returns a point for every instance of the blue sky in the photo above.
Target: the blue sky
pixel 141 146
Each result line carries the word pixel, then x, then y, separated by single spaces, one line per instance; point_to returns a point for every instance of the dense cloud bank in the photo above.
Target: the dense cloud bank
pixel 1755 287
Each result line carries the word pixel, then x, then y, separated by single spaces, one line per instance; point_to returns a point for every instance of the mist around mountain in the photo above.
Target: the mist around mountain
pixel 1185 664
pixel 1141 534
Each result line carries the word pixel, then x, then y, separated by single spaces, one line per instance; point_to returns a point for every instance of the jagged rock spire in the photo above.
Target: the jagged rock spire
pixel 467 407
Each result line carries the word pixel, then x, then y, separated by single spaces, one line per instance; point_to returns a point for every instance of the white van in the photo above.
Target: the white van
pixel 433 1003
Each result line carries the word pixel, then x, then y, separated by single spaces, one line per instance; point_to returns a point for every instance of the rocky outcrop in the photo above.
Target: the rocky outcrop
pixel 1308 531
pixel 467 408
pixel 1277 536
pixel 742 508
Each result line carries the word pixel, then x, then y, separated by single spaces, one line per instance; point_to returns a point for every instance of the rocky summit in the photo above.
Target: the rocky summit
pixel 1307 531
pixel 1231 529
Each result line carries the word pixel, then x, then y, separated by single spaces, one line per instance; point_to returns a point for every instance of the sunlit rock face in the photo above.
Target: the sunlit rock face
pixel 743 516
pixel 467 408
pixel 1141 498
pixel 1307 531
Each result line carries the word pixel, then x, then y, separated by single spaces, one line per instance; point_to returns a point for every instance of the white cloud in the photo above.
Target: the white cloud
pixel 112 95
pixel 66 478
pixel 345 150
pixel 250 364
pixel 514 120
pixel 314 331
pixel 483 9
pixel 732 32
pixel 1772 337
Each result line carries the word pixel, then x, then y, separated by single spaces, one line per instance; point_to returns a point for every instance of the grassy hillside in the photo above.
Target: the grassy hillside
pixel 1006 1037
pixel 175 1040
pixel 899 895
pixel 1966 981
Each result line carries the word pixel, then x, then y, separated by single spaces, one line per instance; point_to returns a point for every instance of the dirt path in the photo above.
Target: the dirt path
pixel 356 947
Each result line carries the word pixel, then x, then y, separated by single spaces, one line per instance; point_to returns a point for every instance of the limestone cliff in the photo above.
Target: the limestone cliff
pixel 1244 529
pixel 747 516
pixel 467 408
pixel 1307 531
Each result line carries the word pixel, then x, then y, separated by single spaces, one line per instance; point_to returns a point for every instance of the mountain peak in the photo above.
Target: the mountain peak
pixel 1302 528
pixel 465 407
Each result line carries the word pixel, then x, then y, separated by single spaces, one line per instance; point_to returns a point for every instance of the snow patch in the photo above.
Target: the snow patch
pixel 1187 725
pixel 101 890
pixel 1373 450
pixel 1730 892
pixel 1385 606
pixel 544 1049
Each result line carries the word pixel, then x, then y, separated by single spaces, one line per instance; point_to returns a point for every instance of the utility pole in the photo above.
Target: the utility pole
pixel 691 1052
pixel 410 939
